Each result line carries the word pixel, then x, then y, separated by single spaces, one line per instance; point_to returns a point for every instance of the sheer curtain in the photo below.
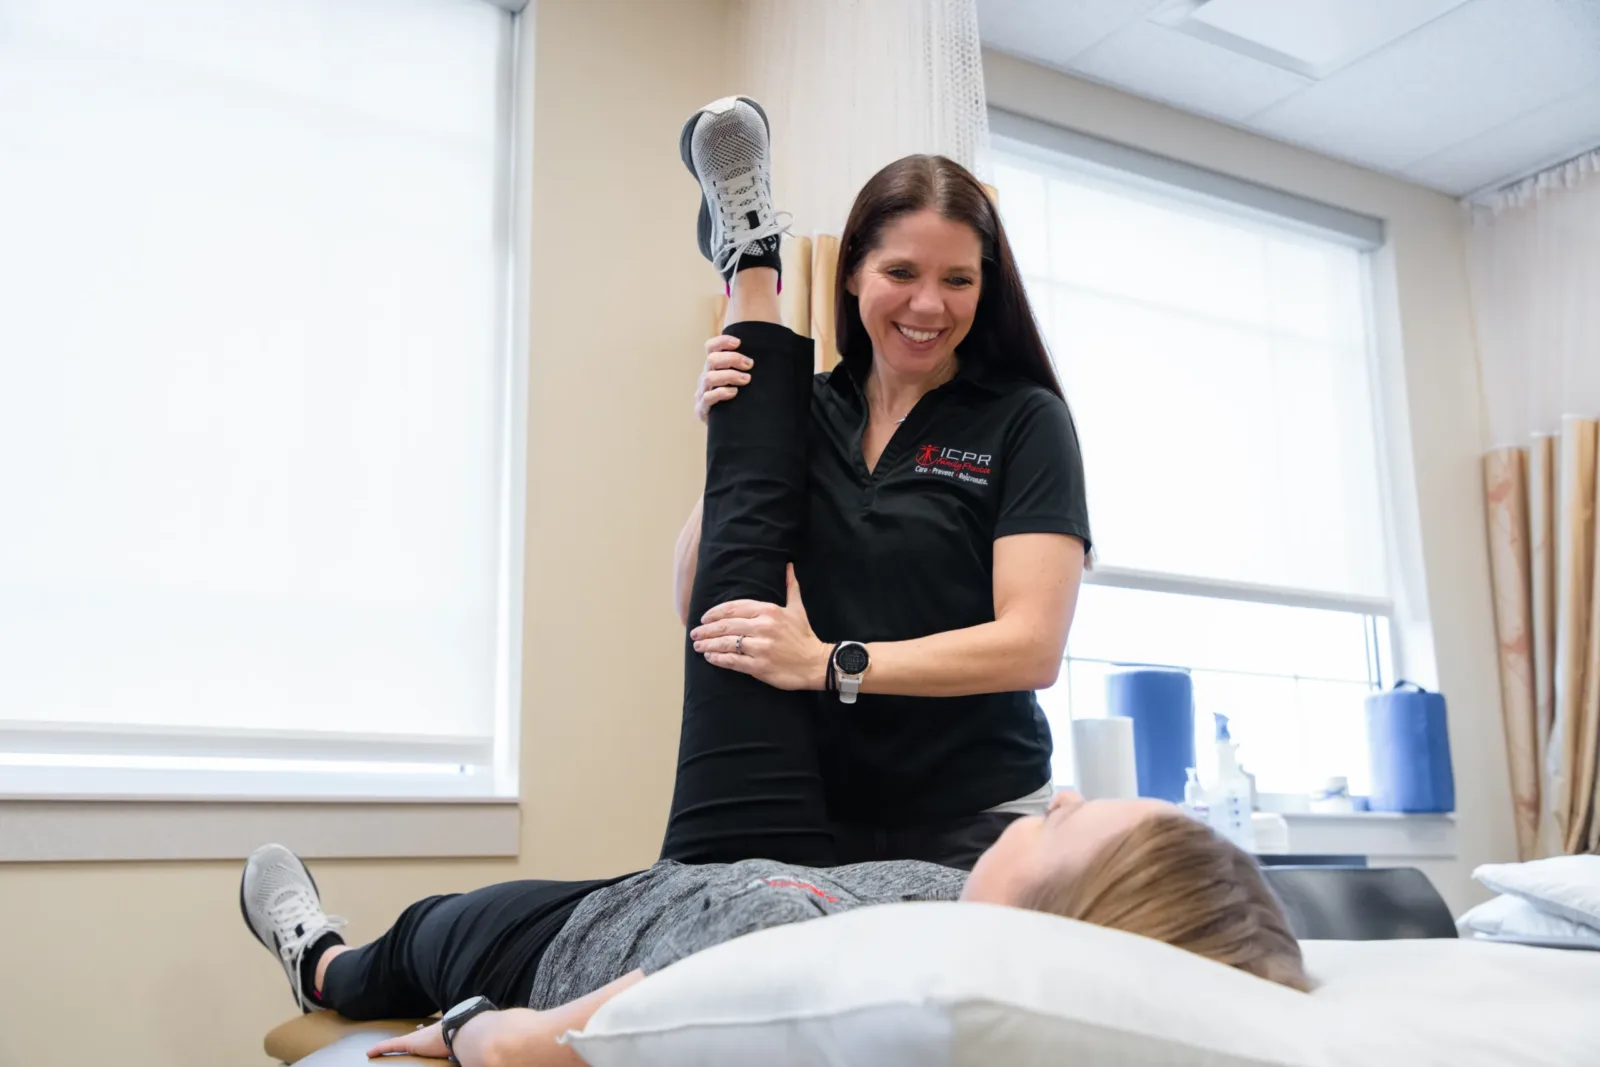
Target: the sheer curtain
pixel 1535 261
pixel 851 85
pixel 1534 253
pixel 252 376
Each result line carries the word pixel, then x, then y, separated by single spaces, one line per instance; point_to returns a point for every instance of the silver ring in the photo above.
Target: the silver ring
pixel 738 645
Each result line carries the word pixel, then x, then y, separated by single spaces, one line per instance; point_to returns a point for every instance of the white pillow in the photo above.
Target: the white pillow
pixel 1509 916
pixel 1568 886
pixel 953 985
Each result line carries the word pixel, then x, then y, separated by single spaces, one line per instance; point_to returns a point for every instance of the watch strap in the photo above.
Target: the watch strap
pixel 459 1016
pixel 846 685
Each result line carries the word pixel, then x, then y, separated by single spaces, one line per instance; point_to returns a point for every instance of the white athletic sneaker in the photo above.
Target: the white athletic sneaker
pixel 280 904
pixel 726 146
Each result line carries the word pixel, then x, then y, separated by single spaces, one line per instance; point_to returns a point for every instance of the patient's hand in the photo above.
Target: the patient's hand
pixel 428 1041
pixel 514 1036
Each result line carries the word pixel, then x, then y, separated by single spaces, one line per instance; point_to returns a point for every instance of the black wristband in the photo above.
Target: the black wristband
pixel 459 1016
pixel 830 684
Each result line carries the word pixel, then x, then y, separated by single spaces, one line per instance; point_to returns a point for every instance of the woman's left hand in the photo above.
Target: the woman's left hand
pixel 770 642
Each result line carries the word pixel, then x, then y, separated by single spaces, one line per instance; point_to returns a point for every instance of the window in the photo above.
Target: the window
pixel 1218 364
pixel 259 429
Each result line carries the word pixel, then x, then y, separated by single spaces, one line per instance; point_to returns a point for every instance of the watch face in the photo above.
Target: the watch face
pixel 463 1008
pixel 850 659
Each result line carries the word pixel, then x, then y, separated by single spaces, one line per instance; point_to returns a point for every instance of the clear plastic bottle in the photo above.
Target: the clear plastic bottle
pixel 1230 800
pixel 1194 797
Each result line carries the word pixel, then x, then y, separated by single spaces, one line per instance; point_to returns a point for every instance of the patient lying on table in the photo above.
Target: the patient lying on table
pixel 524 962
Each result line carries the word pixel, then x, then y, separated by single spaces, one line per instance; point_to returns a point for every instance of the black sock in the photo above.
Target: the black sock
pixel 308 963
pixel 762 253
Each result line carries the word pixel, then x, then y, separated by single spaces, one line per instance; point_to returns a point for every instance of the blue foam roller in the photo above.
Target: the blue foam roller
pixel 1161 705
pixel 1409 738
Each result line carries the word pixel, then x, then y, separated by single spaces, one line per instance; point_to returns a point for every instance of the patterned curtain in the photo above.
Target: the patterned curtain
pixel 1534 253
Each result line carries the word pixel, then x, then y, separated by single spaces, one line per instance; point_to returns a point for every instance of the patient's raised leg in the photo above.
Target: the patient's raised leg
pixel 748 779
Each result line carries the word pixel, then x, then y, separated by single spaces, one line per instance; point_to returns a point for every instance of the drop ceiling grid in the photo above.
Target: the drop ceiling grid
pixel 1161 63
pixel 1548 135
pixel 1485 91
pixel 1438 86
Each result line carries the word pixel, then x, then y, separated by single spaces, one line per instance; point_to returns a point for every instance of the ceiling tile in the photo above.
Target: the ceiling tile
pixel 1054 31
pixel 1310 37
pixel 1163 64
pixel 1472 70
pixel 1548 134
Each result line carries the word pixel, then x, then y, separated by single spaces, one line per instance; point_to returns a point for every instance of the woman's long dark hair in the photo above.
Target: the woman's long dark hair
pixel 1004 334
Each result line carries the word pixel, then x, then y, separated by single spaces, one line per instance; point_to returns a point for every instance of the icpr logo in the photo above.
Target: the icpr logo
pixel 954 463
pixel 928 455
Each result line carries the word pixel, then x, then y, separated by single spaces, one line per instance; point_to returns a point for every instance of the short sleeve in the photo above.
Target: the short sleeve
pixel 761 907
pixel 1041 484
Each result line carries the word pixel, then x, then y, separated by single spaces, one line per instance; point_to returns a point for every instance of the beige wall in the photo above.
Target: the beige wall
pixel 1427 344
pixel 149 964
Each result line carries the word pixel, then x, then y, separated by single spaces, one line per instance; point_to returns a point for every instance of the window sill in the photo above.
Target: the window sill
pixel 55 830
pixel 1379 836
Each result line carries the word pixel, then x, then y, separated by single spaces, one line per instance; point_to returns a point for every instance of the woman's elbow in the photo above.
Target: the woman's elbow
pixel 1043 667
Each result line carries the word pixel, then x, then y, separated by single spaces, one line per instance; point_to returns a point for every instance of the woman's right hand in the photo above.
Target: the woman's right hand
pixel 720 378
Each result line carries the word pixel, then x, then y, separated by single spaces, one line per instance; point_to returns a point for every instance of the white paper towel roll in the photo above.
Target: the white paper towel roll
pixel 1102 758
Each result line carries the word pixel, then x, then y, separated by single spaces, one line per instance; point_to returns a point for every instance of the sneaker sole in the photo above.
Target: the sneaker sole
pixel 686 153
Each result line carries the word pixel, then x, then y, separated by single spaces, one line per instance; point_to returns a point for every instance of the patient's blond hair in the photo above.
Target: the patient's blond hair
pixel 1176 880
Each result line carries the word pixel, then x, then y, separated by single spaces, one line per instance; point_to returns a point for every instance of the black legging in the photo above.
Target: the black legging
pixel 749 783
pixel 444 949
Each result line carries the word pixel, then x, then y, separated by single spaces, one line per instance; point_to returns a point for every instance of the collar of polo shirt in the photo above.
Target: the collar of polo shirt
pixel 974 372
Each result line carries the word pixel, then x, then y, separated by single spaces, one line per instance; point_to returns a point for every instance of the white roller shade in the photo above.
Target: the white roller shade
pixel 1217 367
pixel 253 364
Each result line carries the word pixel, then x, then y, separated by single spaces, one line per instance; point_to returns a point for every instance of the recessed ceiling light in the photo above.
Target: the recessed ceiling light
pixel 1310 37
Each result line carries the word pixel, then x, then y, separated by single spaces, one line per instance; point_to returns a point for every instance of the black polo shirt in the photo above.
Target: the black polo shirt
pixel 907 550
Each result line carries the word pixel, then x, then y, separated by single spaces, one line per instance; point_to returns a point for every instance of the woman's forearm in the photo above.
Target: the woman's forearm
pixel 994 657
pixel 684 558
pixel 1036 580
pixel 526 1038
pixel 573 1016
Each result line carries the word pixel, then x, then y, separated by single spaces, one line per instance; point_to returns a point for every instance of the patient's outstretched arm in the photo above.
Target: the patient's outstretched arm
pixel 520 1037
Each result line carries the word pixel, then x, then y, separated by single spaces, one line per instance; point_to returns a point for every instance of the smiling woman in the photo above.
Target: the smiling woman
pixel 943 532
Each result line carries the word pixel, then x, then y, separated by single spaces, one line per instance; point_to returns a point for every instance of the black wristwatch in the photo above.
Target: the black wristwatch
pixel 459 1016
pixel 850 661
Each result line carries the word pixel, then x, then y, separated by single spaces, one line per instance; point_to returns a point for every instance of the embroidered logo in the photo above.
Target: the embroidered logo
pixel 954 463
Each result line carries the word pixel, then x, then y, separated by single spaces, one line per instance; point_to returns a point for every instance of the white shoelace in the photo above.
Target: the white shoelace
pixel 736 197
pixel 297 908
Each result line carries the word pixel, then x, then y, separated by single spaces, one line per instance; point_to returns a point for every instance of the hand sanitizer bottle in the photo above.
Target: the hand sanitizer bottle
pixel 1194 797
pixel 1229 811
